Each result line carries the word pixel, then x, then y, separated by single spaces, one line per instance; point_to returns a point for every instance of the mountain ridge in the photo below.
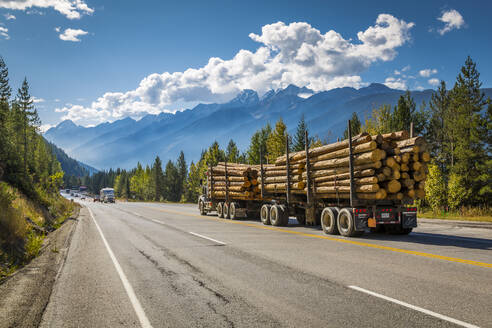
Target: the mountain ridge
pixel 125 142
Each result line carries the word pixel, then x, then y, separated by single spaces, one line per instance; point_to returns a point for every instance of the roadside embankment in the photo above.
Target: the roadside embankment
pixel 26 292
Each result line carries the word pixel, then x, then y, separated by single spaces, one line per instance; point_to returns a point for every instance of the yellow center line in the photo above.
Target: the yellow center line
pixel 347 241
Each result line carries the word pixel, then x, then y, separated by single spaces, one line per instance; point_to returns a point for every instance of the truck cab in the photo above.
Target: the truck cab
pixel 106 195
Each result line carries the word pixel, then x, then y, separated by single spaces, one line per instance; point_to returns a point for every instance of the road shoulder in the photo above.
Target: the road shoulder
pixel 26 293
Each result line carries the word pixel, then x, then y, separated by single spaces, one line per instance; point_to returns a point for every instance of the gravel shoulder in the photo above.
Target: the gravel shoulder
pixel 26 293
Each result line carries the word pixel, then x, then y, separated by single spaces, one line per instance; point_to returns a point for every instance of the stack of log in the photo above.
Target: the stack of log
pixel 386 167
pixel 275 178
pixel 241 178
pixel 390 166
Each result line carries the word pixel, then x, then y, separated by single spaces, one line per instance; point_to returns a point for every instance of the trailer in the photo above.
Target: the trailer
pixel 347 217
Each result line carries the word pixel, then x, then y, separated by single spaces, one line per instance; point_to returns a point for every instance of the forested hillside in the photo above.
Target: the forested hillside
pixel 70 166
pixel 30 178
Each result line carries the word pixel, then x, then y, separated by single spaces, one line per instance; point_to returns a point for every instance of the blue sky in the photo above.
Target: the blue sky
pixel 131 54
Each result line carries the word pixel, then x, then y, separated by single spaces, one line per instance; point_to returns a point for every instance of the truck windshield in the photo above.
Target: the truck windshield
pixel 108 192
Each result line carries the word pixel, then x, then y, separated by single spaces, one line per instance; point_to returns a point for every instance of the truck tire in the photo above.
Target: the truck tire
pixel 220 210
pixel 225 209
pixel 232 211
pixel 346 223
pixel 279 216
pixel 265 214
pixel 329 218
pixel 201 207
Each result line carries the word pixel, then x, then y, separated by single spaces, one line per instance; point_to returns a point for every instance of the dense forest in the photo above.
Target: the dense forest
pixel 30 178
pixel 457 123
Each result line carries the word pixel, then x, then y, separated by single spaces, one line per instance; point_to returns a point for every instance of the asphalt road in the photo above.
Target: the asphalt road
pixel 143 265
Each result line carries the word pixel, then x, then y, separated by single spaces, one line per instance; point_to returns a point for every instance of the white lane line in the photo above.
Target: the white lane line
pixel 416 308
pixel 208 238
pixel 157 221
pixel 144 321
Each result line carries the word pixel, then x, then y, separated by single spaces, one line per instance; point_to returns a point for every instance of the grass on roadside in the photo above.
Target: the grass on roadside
pixel 464 214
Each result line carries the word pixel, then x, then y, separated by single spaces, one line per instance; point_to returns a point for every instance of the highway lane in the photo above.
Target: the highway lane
pixel 187 270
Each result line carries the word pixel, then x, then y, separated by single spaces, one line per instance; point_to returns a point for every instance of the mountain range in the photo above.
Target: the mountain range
pixel 125 142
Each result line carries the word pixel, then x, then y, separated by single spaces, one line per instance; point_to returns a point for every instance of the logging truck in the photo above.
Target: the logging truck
pixel 346 211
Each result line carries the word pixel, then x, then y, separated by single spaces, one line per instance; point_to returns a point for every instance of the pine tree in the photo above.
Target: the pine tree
pixel 258 145
pixel 465 125
pixel 355 126
pixel 403 112
pixel 439 109
pixel 28 117
pixel 300 136
pixel 182 172
pixel 232 152
pixel 5 93
pixel 171 180
pixel 276 141
pixel 157 179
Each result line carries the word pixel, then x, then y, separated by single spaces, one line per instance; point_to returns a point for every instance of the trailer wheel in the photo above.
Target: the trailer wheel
pixel 346 223
pixel 226 211
pixel 232 211
pixel 279 215
pixel 265 214
pixel 220 210
pixel 201 207
pixel 329 218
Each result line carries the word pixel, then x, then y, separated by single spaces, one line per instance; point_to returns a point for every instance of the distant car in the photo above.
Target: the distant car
pixel 82 197
pixel 96 199
pixel 71 194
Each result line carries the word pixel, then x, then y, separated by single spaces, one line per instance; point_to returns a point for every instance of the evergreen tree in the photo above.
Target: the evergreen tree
pixel 380 121
pixel 300 136
pixel 355 126
pixel 276 141
pixel 182 172
pixel 439 111
pixel 171 179
pixel 232 152
pixel 5 93
pixel 403 112
pixel 258 145
pixel 27 116
pixel 466 126
pixel 157 179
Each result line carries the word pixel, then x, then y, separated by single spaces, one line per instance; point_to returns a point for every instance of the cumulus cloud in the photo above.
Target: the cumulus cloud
pixel 71 34
pixel 4 32
pixel 452 19
pixel 434 82
pixel 427 72
pixel 404 69
pixel 9 16
pixel 395 83
pixel 37 100
pixel 72 9
pixel 295 53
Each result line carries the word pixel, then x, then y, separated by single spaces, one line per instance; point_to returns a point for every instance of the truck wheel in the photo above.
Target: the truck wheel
pixel 265 214
pixel 279 215
pixel 329 218
pixel 220 210
pixel 232 211
pixel 346 223
pixel 201 207
pixel 226 211
pixel 405 231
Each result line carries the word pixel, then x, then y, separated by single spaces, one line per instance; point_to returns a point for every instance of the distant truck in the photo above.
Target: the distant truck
pixel 106 195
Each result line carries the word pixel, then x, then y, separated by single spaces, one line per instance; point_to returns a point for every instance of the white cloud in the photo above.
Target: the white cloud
pixel 296 53
pixel 9 16
pixel 427 72
pixel 56 100
pixel 58 29
pixel 452 19
pixel 4 32
pixel 72 9
pixel 434 82
pixel 395 83
pixel 72 34
pixel 37 100
pixel 399 72
pixel 419 88
pixel 45 127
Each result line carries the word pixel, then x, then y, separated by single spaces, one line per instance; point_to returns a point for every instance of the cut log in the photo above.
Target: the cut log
pixel 362 148
pixel 392 186
pixel 362 188
pixel 362 181
pixel 356 140
pixel 425 156
pixel 415 141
